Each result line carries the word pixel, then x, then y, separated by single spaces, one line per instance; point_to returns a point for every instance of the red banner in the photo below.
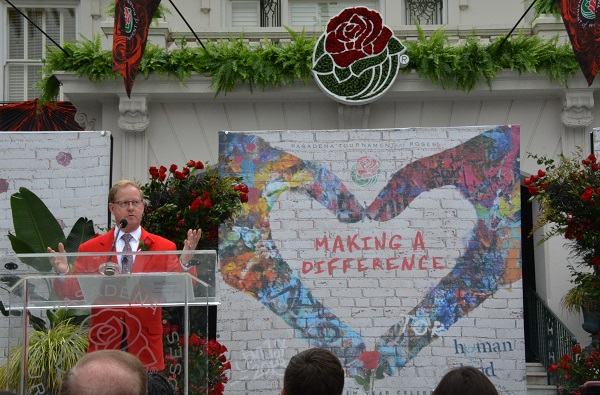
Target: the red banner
pixel 580 19
pixel 132 19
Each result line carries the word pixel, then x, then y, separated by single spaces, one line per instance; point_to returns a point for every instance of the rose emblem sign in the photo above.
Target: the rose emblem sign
pixel 357 58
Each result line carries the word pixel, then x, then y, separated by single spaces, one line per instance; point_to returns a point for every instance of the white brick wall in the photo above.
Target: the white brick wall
pixel 372 301
pixel 71 189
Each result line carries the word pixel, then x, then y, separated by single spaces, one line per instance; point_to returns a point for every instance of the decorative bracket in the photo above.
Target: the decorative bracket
pixel 134 113
pixel 577 108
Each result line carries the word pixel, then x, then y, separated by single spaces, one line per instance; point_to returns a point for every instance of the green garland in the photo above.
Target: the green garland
pixel 233 63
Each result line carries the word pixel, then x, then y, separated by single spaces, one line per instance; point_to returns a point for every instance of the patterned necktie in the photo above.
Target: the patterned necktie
pixel 126 260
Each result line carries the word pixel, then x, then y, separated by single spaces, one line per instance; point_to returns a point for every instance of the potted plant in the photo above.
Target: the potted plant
pixel 58 339
pixel 576 369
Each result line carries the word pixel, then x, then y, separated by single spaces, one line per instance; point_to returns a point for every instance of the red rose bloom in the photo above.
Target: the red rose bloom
pixel 199 165
pixel 370 359
pixel 208 204
pixel 553 367
pixel 185 171
pixel 354 34
pixel 541 173
pixel 179 175
pixel 244 197
pixel 173 168
pixel 588 194
pixel 148 242
pixel 191 163
pixel 162 170
pixel 162 176
pixel 195 206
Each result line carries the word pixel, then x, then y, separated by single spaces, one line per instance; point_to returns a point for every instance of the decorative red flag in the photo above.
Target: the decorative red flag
pixel 132 19
pixel 580 19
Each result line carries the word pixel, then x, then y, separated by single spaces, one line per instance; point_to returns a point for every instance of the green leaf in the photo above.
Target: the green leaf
pixel 379 372
pixel 82 231
pixel 363 64
pixel 395 46
pixel 324 64
pixel 34 224
pixel 342 74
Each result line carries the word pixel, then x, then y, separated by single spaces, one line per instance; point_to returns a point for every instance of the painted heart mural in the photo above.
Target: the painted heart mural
pixel 483 170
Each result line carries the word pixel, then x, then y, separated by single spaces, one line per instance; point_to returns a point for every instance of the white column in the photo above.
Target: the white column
pixel 133 121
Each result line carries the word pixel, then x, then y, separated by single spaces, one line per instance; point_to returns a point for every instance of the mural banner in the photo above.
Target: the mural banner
pixel 397 249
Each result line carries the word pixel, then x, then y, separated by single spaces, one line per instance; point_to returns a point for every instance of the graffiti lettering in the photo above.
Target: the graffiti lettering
pixel 355 243
pixel 363 264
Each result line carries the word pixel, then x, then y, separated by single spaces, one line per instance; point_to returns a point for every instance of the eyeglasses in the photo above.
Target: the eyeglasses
pixel 125 204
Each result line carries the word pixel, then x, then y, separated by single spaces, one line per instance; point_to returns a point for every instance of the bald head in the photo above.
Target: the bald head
pixel 105 372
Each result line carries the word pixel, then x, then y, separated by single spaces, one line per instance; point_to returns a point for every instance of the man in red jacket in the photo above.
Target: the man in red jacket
pixel 139 329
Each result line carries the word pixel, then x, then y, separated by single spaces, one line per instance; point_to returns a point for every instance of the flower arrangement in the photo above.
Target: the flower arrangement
pixel 196 196
pixel 207 363
pixel 569 197
pixel 576 369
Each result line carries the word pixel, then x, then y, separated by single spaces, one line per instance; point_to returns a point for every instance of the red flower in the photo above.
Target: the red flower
pixel 541 173
pixel 595 166
pixel 162 170
pixel 195 206
pixel 596 261
pixel 199 165
pixel 162 176
pixel 592 158
pixel 179 175
pixel 194 341
pixel 185 171
pixel 208 204
pixel 205 195
pixel 154 172
pixel 576 349
pixel 191 163
pixel 173 168
pixel 588 194
pixel 354 34
pixel 533 190
pixel 370 359
pixel 553 367
pixel 244 197
pixel 527 181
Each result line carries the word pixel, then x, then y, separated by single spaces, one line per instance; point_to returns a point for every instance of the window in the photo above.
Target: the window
pixel 267 13
pixel 27 46
pixel 310 13
pixel 424 12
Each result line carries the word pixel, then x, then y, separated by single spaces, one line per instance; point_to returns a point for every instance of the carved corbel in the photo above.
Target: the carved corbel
pixel 87 123
pixel 134 113
pixel 577 108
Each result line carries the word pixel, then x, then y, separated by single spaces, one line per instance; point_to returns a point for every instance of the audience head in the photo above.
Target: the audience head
pixel 159 385
pixel 105 372
pixel 465 380
pixel 315 371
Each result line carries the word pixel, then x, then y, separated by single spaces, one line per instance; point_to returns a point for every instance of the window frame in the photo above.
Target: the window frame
pixel 5 60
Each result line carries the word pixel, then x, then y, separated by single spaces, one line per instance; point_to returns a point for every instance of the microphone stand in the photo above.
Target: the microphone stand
pixel 110 268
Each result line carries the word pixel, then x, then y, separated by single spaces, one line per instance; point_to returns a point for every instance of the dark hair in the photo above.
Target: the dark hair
pixel 159 385
pixel 465 380
pixel 103 371
pixel 315 371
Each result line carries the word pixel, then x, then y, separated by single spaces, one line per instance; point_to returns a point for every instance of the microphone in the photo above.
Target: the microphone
pixel 109 268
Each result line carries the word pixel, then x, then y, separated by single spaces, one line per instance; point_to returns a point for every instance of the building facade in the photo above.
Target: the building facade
pixel 165 122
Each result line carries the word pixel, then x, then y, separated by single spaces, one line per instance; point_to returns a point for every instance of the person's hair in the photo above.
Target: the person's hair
pixel 123 183
pixel 465 380
pixel 315 371
pixel 159 385
pixel 105 372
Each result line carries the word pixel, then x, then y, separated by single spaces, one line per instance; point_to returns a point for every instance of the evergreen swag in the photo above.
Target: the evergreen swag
pixel 230 63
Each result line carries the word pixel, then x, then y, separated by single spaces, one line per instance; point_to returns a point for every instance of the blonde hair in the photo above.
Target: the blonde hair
pixel 123 183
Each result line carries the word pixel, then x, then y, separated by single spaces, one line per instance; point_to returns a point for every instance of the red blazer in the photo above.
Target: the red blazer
pixel 143 325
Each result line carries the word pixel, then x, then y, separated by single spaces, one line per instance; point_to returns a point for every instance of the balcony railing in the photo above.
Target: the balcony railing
pixel 548 338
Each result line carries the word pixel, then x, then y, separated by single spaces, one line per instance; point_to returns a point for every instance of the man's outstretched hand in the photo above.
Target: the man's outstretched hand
pixel 59 263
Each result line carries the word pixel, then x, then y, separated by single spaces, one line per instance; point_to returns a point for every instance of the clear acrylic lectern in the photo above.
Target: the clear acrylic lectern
pixel 56 318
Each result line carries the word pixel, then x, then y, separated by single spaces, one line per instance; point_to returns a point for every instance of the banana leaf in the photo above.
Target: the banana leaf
pixel 34 224
pixel 82 231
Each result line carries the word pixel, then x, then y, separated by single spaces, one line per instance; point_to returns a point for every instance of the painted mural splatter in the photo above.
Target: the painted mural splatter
pixel 484 169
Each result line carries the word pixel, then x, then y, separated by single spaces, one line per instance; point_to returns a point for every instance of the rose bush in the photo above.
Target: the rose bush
pixel 357 58
pixel 576 369
pixel 195 196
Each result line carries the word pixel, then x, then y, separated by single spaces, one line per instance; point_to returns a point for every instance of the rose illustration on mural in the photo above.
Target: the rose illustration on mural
pixel 374 371
pixel 357 58
pixel 64 158
pixel 366 171
pixel 3 185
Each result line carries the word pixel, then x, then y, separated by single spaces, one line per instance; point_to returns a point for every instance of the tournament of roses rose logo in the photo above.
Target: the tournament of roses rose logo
pixel 366 171
pixel 357 58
